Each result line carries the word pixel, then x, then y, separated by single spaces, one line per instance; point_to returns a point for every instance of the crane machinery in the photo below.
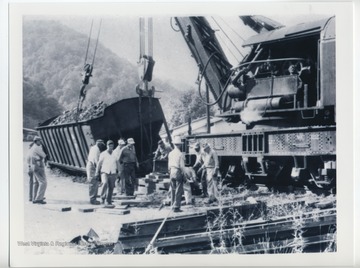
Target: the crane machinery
pixel 88 69
pixel 282 94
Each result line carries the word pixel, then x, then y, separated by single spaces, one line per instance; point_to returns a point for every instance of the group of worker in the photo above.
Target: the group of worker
pixel 116 166
pixel 37 155
pixel 105 168
pixel 206 167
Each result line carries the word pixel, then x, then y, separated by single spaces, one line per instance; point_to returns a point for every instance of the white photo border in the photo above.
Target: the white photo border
pixel 347 130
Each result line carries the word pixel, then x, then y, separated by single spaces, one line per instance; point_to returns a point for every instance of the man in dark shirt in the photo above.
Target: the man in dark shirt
pixel 129 161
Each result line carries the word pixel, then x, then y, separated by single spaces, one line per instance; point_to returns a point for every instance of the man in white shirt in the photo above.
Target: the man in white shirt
pixel 211 165
pixel 176 166
pixel 201 173
pixel 108 169
pixel 92 161
pixel 37 164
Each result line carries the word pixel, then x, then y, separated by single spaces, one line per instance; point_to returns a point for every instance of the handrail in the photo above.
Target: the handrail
pixel 266 61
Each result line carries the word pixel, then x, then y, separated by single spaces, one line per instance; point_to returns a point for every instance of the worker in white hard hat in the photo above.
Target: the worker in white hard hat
pixel 176 165
pixel 121 145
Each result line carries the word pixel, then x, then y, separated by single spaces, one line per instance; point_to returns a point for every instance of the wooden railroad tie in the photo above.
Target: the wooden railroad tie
pixel 139 203
pixel 124 197
pixel 56 208
pixel 86 210
pixel 114 211
pixel 109 206
pixel 122 207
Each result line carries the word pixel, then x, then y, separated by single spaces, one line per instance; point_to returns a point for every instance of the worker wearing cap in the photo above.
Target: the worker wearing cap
pixel 162 151
pixel 120 167
pixel 107 167
pixel 129 161
pixel 176 165
pixel 211 165
pixel 92 162
pixel 37 165
pixel 201 173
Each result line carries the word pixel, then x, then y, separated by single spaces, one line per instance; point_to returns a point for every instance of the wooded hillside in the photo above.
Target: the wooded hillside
pixel 53 59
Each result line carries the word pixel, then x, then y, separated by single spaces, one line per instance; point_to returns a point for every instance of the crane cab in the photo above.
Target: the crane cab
pixel 289 72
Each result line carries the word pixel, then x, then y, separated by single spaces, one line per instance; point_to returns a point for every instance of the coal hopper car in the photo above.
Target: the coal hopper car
pixel 68 143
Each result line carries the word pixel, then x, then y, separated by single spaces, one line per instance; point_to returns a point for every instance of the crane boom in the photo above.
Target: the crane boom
pixel 208 54
pixel 260 23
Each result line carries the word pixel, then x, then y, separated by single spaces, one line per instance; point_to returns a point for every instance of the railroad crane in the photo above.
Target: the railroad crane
pixel 282 94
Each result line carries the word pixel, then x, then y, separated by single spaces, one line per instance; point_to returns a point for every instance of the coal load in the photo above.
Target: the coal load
pixel 93 111
pixel 69 138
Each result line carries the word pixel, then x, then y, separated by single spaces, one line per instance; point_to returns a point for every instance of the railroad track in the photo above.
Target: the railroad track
pixel 304 224
pixel 218 230
pixel 256 237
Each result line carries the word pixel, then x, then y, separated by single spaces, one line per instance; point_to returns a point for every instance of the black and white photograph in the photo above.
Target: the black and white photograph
pixel 213 133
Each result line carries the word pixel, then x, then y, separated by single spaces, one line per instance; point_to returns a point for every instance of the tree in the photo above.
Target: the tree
pixel 37 106
pixel 189 106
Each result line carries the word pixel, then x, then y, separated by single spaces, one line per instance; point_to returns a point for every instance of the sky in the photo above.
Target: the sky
pixel 172 57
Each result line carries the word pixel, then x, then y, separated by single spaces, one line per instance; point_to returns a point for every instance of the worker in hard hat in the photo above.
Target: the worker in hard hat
pixel 176 165
pixel 211 165
pixel 120 167
pixel 130 162
pixel 201 173
pixel 121 145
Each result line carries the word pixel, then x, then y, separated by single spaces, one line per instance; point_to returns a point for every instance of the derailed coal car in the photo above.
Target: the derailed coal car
pixel 140 118
pixel 284 93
